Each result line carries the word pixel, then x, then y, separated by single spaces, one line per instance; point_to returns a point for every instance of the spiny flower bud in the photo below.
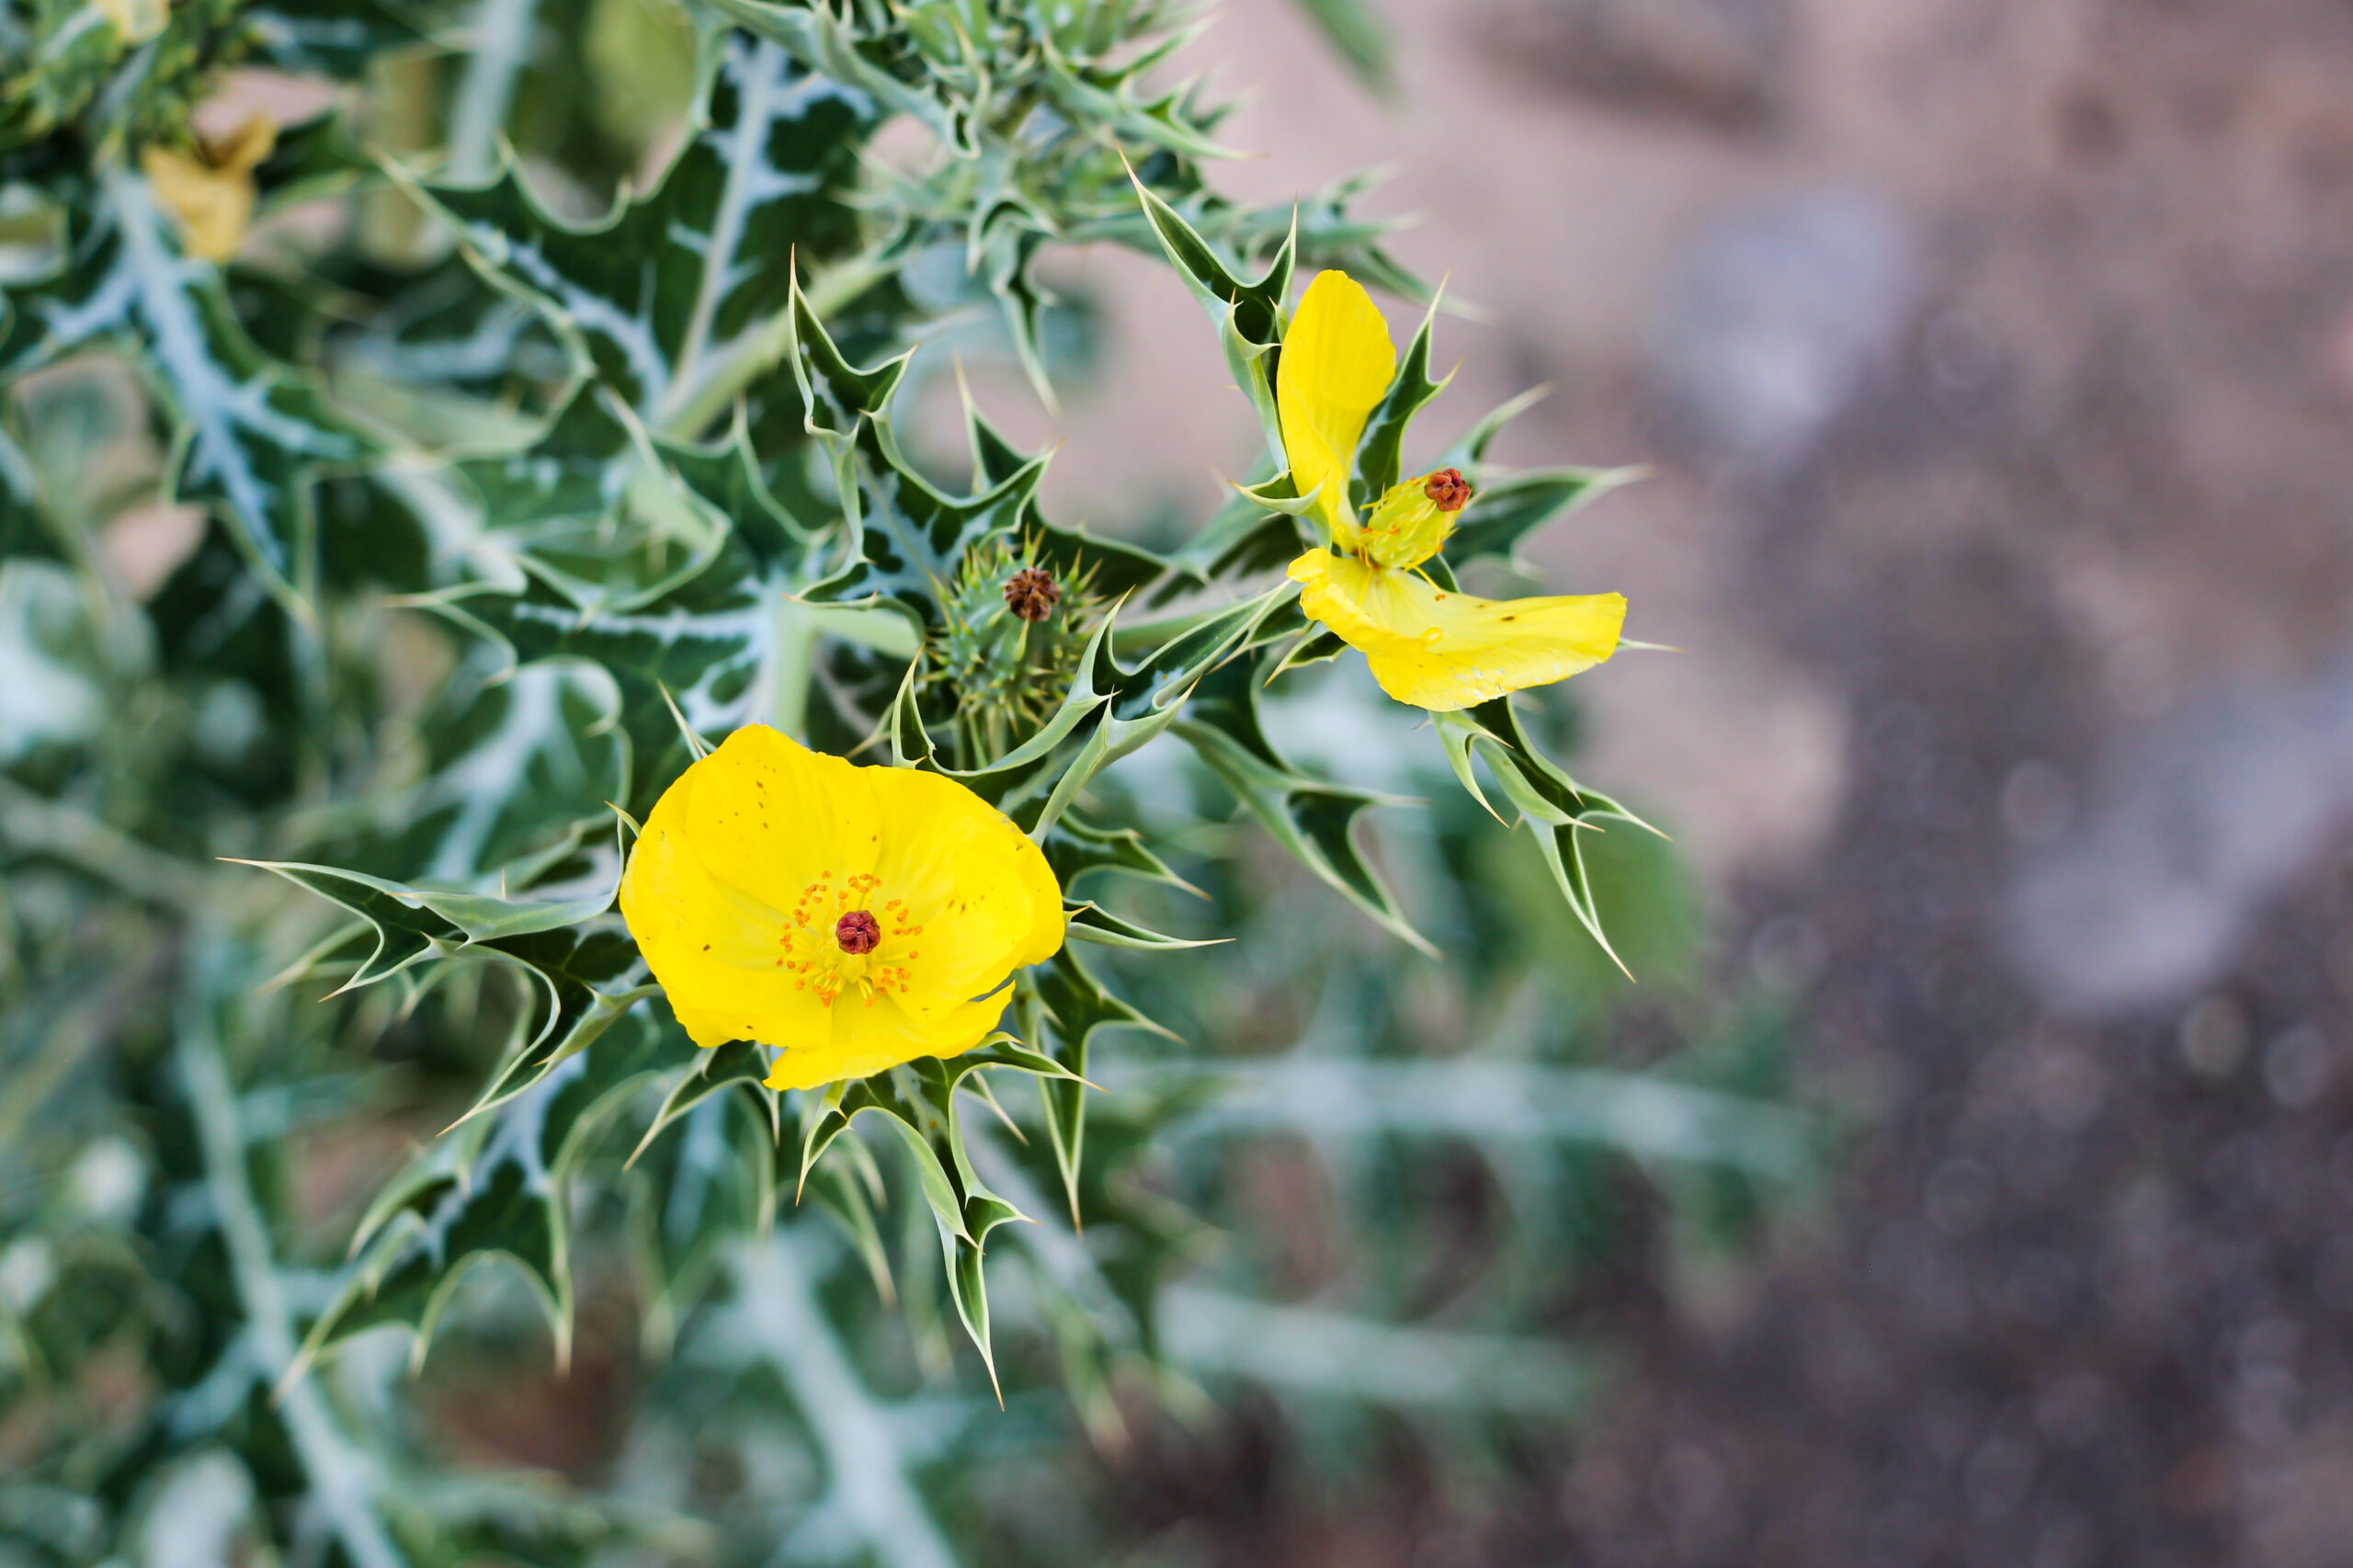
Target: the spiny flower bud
pixel 1449 489
pixel 1031 593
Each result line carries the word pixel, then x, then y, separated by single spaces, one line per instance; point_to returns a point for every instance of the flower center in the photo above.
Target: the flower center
pixel 834 938
pixel 1449 489
pixel 859 933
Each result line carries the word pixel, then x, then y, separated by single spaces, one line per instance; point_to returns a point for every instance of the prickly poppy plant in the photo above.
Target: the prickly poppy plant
pixel 508 757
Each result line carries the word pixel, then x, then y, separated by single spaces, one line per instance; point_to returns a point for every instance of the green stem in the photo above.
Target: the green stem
pixel 968 753
pixel 343 1481
pixel 31 1083
pixel 501 46
pixel 862 1454
pixel 1645 1115
pixel 1150 636
pixel 1339 1354
pixel 41 826
pixel 794 668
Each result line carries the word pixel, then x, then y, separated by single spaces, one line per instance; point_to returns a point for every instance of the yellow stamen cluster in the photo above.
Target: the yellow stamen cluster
pixel 817 947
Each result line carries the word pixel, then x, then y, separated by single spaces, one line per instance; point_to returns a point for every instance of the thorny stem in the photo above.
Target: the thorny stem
pixel 719 272
pixel 213 405
pixel 342 1480
pixel 1150 636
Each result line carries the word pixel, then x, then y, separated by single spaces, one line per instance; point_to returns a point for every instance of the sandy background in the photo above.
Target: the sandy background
pixel 1995 357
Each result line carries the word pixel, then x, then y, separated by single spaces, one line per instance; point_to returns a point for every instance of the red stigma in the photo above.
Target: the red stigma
pixel 858 932
pixel 1449 489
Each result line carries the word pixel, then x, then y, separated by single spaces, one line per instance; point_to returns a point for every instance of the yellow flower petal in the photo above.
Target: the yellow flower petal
pixel 1336 598
pixel 707 941
pixel 867 1040
pixel 1336 362
pixel 985 887
pixel 771 816
pixel 212 206
pixel 853 917
pixel 245 148
pixel 212 196
pixel 136 20
pixel 1443 651
pixel 1047 923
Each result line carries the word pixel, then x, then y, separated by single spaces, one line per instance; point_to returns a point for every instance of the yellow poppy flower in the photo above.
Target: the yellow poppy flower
pixel 1427 646
pixel 855 918
pixel 211 192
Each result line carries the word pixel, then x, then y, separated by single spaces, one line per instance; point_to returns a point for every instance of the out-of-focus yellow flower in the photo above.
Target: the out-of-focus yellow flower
pixel 1427 646
pixel 136 20
pixel 210 192
pixel 855 917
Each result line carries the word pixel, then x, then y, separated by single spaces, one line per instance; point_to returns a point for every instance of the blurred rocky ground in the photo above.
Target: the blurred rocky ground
pixel 1996 360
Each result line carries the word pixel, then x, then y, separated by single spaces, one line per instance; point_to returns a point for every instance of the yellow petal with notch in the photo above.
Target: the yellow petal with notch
pixel 1336 361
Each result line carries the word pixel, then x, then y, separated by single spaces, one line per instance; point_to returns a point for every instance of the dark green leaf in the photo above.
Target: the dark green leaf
pixel 251 433
pixel 1312 819
pixel 1380 456
pixel 1077 848
pixel 1061 1007
pixel 667 289
pixel 1092 923
pixel 1357 33
pixel 1506 508
pixel 1556 808
pixel 496 1188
